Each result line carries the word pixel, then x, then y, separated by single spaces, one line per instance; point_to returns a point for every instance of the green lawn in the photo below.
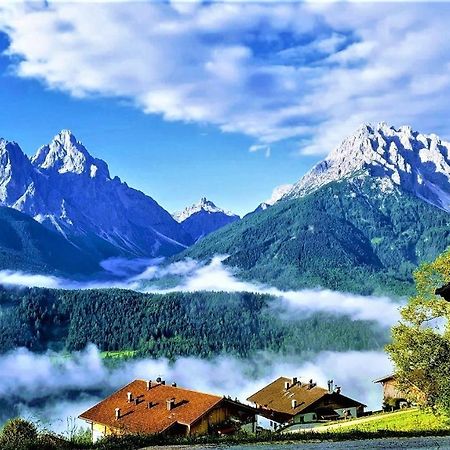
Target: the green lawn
pixel 405 420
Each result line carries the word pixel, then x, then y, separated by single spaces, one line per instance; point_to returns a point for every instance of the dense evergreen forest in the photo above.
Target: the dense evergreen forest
pixel 200 324
pixel 348 236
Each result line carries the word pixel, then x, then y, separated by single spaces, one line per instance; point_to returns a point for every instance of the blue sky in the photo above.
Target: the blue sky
pixel 228 100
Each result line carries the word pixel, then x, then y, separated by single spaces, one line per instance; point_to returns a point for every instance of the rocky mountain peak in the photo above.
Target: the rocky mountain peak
pixel 411 161
pixel 65 154
pixel 203 205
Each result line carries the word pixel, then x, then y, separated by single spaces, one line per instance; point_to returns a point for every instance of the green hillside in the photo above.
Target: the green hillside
pixel 198 324
pixel 26 245
pixel 348 236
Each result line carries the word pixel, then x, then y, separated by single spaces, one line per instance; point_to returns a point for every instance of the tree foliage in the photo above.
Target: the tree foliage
pixel 421 341
pixel 18 434
pixel 200 324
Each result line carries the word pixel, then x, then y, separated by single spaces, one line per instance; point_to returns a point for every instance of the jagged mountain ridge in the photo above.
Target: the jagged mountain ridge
pixel 359 221
pixel 414 162
pixel 204 217
pixel 67 190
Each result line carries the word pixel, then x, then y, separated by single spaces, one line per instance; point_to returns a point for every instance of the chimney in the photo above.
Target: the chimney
pixel 286 385
pixel 330 386
pixel 294 381
pixel 170 404
pixel 117 411
pixel 149 384
pixel 129 397
pixel 311 384
pixel 294 403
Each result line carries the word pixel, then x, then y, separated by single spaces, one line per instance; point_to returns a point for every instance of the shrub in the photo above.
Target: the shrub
pixel 18 434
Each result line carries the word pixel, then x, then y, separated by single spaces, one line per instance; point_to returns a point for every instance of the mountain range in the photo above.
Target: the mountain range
pixel 361 220
pixel 72 193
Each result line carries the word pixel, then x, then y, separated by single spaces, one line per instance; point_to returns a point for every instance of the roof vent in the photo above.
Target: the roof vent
pixel 294 380
pixel 158 380
pixel 174 384
pixel 337 389
pixel 286 385
pixel 294 403
pixel 129 397
pixel 149 384
pixel 117 412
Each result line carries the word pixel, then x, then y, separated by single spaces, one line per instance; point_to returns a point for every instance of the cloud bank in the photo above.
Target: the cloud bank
pixel 307 71
pixel 51 387
pixel 194 276
pixel 216 277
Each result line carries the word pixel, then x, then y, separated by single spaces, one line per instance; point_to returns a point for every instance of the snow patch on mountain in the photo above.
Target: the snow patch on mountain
pixel 414 162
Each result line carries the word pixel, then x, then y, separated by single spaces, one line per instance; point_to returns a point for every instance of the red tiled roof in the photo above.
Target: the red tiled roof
pixel 277 398
pixel 189 407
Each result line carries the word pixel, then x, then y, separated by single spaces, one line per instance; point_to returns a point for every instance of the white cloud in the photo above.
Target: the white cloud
pixel 291 304
pixel 11 278
pixel 51 387
pixel 310 71
pixel 278 193
pixel 195 276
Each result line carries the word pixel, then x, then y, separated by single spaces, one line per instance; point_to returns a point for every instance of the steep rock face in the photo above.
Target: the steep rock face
pixel 416 163
pixel 16 173
pixel 203 218
pixel 68 190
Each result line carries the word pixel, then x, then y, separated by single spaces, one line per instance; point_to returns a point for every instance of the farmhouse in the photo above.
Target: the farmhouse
pixel 288 401
pixel 153 407
pixel 393 397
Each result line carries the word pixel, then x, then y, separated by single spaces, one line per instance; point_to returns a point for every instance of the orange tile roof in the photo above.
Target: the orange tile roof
pixel 189 407
pixel 276 397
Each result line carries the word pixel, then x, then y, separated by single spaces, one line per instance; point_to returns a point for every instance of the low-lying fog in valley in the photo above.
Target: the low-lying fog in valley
pixel 54 388
pixel 192 276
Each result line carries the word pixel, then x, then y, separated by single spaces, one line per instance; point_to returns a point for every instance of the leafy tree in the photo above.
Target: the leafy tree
pixel 421 341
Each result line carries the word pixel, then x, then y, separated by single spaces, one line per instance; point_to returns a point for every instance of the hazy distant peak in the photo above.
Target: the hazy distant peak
pixel 204 205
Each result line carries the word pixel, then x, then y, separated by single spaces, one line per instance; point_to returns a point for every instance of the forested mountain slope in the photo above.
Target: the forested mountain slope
pixel 200 324
pixel 27 245
pixel 353 235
